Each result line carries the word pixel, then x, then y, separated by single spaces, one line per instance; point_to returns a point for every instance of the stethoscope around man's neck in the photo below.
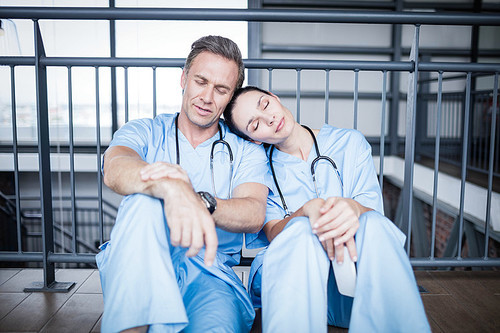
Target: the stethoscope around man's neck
pixel 222 141
pixel 313 172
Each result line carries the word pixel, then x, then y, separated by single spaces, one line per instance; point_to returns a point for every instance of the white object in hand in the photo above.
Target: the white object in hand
pixel 345 275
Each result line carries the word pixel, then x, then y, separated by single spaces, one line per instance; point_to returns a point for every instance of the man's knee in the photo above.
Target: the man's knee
pixel 139 211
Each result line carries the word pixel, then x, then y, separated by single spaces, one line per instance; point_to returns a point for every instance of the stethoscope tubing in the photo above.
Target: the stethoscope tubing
pixel 220 141
pixel 318 158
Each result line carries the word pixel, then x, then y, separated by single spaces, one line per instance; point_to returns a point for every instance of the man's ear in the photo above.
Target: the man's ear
pixel 275 96
pixel 183 79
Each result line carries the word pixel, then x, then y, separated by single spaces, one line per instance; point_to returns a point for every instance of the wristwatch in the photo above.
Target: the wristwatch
pixel 209 201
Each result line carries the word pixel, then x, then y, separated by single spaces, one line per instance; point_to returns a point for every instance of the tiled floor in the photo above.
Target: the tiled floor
pixel 455 302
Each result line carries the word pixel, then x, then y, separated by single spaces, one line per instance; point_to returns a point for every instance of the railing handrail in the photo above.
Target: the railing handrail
pixel 249 15
pixel 297 64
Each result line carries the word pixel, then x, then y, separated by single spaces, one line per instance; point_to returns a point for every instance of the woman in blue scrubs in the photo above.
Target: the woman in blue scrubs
pixel 341 209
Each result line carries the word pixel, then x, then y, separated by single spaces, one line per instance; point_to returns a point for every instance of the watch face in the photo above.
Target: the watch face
pixel 209 200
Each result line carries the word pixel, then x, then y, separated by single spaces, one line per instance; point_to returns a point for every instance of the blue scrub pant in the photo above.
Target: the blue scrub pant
pixel 299 291
pixel 147 281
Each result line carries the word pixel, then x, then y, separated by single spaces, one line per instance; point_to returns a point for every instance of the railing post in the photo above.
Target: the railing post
pixel 411 107
pixel 397 32
pixel 49 283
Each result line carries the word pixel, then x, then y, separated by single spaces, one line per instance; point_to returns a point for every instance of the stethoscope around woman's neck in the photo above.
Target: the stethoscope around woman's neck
pixel 221 141
pixel 313 172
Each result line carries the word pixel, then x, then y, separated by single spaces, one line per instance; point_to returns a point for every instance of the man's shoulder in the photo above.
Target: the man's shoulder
pixel 230 136
pixel 239 144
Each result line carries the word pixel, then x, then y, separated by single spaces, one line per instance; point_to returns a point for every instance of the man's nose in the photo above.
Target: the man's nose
pixel 207 94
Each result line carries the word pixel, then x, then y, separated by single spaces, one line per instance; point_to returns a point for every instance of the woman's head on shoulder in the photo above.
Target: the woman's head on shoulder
pixel 258 115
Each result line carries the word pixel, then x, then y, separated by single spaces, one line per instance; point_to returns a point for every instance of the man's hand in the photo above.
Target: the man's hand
pixel 159 170
pixel 189 221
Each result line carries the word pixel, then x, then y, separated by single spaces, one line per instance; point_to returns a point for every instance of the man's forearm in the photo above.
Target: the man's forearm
pixel 122 174
pixel 245 212
pixel 239 215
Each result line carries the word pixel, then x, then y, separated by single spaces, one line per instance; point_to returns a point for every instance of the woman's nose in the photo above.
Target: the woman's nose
pixel 270 119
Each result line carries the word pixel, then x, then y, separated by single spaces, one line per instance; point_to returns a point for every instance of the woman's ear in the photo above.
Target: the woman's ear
pixel 270 93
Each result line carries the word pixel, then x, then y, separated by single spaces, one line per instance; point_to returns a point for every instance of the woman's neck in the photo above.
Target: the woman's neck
pixel 299 143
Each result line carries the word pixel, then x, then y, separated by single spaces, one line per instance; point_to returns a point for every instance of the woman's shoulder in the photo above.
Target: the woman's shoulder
pixel 336 133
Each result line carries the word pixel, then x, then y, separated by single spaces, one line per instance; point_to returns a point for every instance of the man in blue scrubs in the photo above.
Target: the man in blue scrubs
pixel 167 266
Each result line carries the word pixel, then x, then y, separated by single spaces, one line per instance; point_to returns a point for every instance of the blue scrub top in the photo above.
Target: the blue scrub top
pixel 154 140
pixel 351 153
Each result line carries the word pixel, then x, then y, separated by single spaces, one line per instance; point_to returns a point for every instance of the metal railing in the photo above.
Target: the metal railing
pixel 41 62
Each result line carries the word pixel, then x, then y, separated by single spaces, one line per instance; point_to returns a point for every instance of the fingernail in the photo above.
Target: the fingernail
pixel 315 225
pixel 332 258
pixel 354 258
pixel 336 243
pixel 314 231
pixel 321 238
pixel 340 262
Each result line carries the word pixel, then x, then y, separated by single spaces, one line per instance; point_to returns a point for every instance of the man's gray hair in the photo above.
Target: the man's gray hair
pixel 221 46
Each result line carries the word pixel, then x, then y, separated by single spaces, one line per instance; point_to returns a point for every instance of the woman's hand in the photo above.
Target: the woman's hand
pixel 338 222
pixel 312 209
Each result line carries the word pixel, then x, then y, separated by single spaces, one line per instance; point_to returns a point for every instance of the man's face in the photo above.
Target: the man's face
pixel 208 87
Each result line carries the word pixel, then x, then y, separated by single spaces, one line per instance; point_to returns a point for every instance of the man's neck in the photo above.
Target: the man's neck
pixel 193 133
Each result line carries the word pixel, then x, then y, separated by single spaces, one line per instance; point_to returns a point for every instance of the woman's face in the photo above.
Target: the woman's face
pixel 262 117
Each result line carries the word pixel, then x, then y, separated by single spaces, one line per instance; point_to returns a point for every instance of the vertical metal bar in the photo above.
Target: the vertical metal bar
pixel 254 43
pixel 112 49
pixel 474 55
pixel 485 144
pixel 356 75
pixel 49 283
pixel 468 93
pixel 270 79
pixel 445 116
pixel 490 168
pixel 44 159
pixel 16 157
pixel 436 163
pixel 382 131
pixel 126 94
pixel 298 95
pixel 396 37
pixel 475 155
pixel 72 161
pixel 497 163
pixel 98 146
pixel 154 91
pixel 327 96
pixel 410 140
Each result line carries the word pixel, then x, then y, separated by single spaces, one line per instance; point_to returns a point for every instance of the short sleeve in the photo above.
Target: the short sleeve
pixel 367 188
pixel 135 135
pixel 253 166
